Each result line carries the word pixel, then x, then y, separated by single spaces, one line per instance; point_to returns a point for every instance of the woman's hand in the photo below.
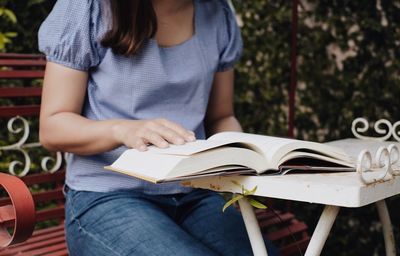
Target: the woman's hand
pixel 159 132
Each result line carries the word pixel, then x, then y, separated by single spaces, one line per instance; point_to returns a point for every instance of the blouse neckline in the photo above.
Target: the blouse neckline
pixel 194 35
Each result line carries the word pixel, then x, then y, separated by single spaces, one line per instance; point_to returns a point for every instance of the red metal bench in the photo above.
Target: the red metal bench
pixel 18 74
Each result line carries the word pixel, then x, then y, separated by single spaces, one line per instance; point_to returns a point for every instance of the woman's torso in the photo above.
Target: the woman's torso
pixel 158 82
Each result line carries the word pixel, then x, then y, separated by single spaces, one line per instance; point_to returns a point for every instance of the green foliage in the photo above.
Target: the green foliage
pixel 263 74
pixel 29 14
pixel 348 62
pixel 6 16
pixel 334 90
pixel 247 194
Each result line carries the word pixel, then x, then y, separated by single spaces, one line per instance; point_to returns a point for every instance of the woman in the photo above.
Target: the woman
pixel 132 74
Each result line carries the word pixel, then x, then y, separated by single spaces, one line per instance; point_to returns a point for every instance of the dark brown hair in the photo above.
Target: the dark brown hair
pixel 133 22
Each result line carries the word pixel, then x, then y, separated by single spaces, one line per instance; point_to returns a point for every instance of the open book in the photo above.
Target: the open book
pixel 231 153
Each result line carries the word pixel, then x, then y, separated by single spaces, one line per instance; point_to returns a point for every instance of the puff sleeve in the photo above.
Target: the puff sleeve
pixel 68 36
pixel 231 45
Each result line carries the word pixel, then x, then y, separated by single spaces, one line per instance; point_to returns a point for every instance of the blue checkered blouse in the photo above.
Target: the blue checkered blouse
pixel 159 82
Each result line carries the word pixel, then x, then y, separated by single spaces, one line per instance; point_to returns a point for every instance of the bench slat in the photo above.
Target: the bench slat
pixel 47 196
pixel 27 110
pixel 22 62
pixel 57 212
pixel 26 249
pixel 48 214
pixel 38 197
pixel 41 178
pixel 45 231
pixel 63 252
pixel 38 240
pixel 58 232
pixel 7 215
pixel 49 250
pixel 21 74
pixel 20 92
pixel 282 219
pixel 265 215
pixel 21 56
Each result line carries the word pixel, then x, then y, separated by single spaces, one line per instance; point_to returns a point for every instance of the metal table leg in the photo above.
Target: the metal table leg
pixel 387 228
pixel 253 229
pixel 322 230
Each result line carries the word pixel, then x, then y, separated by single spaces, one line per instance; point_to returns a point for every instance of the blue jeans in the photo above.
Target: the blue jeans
pixel 132 223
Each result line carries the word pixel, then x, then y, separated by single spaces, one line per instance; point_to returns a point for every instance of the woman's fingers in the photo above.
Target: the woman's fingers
pixel 155 138
pixel 149 137
pixel 170 135
pixel 184 133
pixel 158 132
pixel 140 144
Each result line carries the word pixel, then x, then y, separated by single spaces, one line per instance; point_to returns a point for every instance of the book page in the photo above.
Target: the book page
pixel 145 165
pixel 309 155
pixel 217 172
pixel 219 157
pixel 156 167
pixel 189 148
pixel 275 148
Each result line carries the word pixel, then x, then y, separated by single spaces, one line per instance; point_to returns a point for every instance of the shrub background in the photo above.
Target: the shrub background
pixel 349 62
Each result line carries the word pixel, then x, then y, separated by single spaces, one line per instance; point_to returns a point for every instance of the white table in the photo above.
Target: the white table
pixel 334 190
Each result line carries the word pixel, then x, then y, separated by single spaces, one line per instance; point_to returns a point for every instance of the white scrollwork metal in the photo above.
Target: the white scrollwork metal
pixel 394 129
pixel 384 167
pixel 22 147
pixel 394 155
pixel 382 126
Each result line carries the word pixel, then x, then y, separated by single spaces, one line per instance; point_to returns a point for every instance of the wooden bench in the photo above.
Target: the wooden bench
pixel 36 200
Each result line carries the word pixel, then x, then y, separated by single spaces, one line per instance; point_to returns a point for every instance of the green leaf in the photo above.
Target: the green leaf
pixel 11 34
pixel 2 43
pixel 250 192
pixel 10 15
pixel 6 40
pixel 232 201
pixel 256 203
